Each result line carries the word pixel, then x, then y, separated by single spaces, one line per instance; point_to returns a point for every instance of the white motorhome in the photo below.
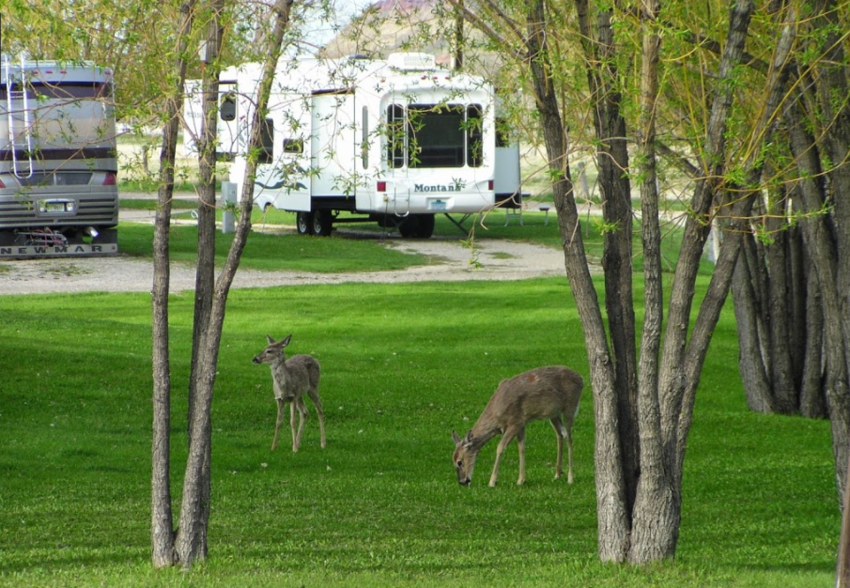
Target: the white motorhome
pixel 393 141
pixel 58 159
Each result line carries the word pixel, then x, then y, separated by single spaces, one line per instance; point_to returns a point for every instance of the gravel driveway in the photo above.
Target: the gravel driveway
pixel 497 260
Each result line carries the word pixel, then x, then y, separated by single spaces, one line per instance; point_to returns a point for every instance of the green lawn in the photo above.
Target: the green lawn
pixel 360 246
pixel 403 365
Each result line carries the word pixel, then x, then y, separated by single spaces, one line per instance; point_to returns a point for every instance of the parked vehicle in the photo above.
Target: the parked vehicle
pixel 58 159
pixel 393 141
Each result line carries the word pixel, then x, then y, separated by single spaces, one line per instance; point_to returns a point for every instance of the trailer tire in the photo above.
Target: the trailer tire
pixel 304 222
pixel 407 227
pixel 417 226
pixel 322 223
pixel 425 226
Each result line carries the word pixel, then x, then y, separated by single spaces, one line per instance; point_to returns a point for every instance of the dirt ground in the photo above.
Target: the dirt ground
pixel 497 260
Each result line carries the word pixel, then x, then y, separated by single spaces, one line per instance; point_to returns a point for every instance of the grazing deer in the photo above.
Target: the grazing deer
pixel 541 393
pixel 292 378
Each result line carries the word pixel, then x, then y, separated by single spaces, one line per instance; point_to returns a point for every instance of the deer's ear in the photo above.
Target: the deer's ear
pixel 468 440
pixel 455 437
pixel 285 342
pixel 270 340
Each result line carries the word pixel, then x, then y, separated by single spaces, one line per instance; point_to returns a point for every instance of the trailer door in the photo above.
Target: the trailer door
pixel 333 144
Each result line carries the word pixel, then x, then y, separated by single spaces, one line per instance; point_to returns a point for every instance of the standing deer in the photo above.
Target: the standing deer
pixel 541 393
pixel 292 378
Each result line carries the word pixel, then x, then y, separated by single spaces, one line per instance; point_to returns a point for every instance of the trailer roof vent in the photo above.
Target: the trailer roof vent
pixel 412 61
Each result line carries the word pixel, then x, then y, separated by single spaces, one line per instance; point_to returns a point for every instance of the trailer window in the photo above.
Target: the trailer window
pixel 293 145
pixel 396 136
pixel 266 154
pixel 227 108
pixel 434 135
pixel 502 136
pixel 474 136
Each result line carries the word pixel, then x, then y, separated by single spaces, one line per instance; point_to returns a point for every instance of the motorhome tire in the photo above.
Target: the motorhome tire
pixel 322 223
pixel 304 222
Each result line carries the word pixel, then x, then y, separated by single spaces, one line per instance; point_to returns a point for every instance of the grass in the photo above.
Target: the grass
pixel 344 252
pixel 151 184
pixel 149 204
pixel 276 252
pixel 403 365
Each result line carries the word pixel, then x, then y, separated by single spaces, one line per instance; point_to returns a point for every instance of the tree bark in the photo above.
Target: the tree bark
pixel 769 290
pixel 655 497
pixel 822 251
pixel 612 516
pixel 162 525
pixel 192 536
pixel 613 161
pixel 192 544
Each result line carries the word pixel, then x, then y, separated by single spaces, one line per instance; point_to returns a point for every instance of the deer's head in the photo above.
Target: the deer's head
pixel 464 458
pixel 273 351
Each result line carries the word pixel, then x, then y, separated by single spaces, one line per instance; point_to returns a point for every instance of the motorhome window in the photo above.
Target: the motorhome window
pixel 474 136
pixel 71 90
pixel 227 108
pixel 293 145
pixel 267 151
pixel 396 136
pixel 63 90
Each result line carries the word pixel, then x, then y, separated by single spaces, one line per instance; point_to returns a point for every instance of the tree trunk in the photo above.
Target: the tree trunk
pixel 821 246
pixel 749 318
pixel 781 365
pixel 770 306
pixel 812 399
pixel 162 525
pixel 192 544
pixel 612 158
pixel 681 359
pixel 612 516
pixel 191 541
pixel 654 523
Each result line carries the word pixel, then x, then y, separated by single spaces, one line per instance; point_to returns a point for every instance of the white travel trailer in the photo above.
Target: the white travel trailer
pixel 58 160
pixel 393 141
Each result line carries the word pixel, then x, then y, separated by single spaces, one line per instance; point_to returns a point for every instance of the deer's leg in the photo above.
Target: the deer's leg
pixel 560 432
pixel 520 441
pixel 507 437
pixel 277 423
pixel 570 454
pixel 302 413
pixel 314 395
pixel 292 425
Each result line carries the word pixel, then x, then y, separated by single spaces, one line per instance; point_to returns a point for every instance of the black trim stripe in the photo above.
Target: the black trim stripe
pixel 334 92
pixel 60 154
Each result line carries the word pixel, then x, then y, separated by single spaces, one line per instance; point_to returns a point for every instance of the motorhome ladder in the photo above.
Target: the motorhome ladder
pixel 20 131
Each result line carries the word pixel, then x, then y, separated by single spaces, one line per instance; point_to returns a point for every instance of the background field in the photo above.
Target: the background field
pixel 403 365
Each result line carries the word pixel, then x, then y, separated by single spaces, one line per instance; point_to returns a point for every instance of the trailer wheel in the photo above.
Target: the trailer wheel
pixel 322 223
pixel 425 227
pixel 417 226
pixel 408 226
pixel 304 222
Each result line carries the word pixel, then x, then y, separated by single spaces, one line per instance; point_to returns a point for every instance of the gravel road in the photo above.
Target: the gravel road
pixel 497 260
